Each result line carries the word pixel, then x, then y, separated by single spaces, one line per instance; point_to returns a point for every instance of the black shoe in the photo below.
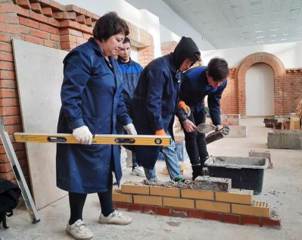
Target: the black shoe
pixel 197 171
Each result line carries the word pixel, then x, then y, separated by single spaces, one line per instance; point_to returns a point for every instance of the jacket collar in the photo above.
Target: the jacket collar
pixel 95 46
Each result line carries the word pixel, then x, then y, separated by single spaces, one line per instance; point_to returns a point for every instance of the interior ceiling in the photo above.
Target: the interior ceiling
pixel 234 23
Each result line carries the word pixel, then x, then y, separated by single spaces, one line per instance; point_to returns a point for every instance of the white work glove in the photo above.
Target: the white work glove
pixel 130 129
pixel 82 134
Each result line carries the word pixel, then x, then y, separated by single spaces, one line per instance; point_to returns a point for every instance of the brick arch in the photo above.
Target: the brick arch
pixel 279 74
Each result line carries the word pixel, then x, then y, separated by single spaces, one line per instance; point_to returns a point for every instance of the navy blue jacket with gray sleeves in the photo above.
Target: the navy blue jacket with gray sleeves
pixel 195 88
pixel 131 71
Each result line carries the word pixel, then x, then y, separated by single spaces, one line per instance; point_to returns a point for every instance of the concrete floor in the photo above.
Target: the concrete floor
pixel 282 190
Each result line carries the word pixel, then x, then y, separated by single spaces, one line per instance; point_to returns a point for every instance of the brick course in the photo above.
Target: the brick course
pixel 234 206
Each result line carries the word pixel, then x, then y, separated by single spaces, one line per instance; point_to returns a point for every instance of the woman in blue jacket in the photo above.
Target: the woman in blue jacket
pixel 198 83
pixel 92 104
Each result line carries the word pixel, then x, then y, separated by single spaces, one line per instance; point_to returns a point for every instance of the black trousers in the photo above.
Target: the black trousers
pixel 77 201
pixel 196 145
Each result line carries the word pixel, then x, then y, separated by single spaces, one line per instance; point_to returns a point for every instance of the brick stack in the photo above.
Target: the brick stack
pixel 233 206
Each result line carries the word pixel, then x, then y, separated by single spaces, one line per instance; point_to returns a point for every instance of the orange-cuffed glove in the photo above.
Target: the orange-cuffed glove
pixel 182 105
pixel 160 132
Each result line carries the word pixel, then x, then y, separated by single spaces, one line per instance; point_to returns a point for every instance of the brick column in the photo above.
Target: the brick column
pixel 9 105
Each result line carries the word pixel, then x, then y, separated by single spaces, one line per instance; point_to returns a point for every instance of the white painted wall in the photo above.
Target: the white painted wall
pixel 259 88
pixel 289 53
pixel 170 20
pixel 141 18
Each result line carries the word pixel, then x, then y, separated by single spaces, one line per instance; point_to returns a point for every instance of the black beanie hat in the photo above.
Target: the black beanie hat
pixel 186 48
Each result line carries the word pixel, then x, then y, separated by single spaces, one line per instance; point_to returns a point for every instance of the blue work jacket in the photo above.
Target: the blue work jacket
pixel 195 87
pixel 91 96
pixel 154 104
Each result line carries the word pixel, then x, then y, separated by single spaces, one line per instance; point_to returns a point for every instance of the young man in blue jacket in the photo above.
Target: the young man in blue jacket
pixel 155 103
pixel 131 71
pixel 198 83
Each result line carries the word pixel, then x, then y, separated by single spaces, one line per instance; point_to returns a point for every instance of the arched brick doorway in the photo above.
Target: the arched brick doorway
pixel 279 73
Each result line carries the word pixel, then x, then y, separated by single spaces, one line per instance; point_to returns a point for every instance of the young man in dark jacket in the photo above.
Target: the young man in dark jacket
pixel 155 103
pixel 198 83
pixel 131 71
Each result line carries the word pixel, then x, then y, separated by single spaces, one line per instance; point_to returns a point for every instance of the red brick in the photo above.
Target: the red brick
pixel 23 3
pixel 55 37
pixel 4 74
pixel 7 111
pixel 10 120
pixel 3 157
pixel 6 65
pixel 7 176
pixel 250 220
pixel 33 39
pixel 36 6
pixel 48 28
pixel 81 19
pixel 87 36
pixel 51 44
pixel 5 47
pixel 149 209
pixel 22 11
pixel 8 84
pixel 5 167
pixel 29 22
pixel 47 11
pixel 5 56
pixel 65 45
pixel 11 129
pixel 8 102
pixel 179 212
pixel 271 222
pixel 88 21
pixel 8 93
pixel 68 38
pixel 5 37
pixel 213 216
pixel 76 25
pixel 228 218
pixel 163 211
pixel 6 18
pixel 39 33
pixel 135 207
pixel 53 4
pixel 18 146
pixel 196 213
pixel 65 15
pixel 7 8
pixel 68 31
pixel 9 28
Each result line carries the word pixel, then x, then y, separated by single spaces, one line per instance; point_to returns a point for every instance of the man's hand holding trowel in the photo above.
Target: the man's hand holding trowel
pixel 213 132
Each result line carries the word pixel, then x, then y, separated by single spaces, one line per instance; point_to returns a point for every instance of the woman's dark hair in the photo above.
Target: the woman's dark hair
pixel 109 25
pixel 218 69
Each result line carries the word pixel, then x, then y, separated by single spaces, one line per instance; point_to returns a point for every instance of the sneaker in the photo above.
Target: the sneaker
pixel 78 230
pixel 138 171
pixel 179 179
pixel 115 217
